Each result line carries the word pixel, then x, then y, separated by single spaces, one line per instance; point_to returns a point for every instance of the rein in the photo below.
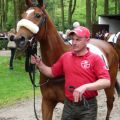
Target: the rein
pixel 32 50
pixel 30 68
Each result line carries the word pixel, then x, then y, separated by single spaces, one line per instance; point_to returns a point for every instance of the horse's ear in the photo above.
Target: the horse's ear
pixel 43 7
pixel 29 3
pixel 40 2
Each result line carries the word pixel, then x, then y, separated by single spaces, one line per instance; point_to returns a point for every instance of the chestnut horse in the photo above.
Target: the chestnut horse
pixel 114 40
pixel 37 24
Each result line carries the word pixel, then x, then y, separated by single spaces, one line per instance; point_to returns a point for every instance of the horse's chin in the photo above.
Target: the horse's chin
pixel 21 49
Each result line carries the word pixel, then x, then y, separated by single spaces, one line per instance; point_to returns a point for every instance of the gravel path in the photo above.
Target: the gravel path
pixel 23 110
pixel 4 52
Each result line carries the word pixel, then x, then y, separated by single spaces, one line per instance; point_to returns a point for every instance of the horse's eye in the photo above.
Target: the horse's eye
pixel 37 15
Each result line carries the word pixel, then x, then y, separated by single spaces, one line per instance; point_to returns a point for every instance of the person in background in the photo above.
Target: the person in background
pixel 12 46
pixel 85 73
pixel 68 40
pixel 67 32
pixel 76 24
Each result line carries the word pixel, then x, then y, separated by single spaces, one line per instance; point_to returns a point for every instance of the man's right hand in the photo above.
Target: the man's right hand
pixel 35 60
pixel 46 70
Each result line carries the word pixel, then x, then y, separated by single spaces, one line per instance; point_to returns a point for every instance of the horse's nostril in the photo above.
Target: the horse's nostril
pixel 22 38
pixel 22 41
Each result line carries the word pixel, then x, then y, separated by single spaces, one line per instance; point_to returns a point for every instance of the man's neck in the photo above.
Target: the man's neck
pixel 82 52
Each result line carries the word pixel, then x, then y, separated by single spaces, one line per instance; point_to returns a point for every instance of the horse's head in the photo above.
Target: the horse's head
pixel 31 23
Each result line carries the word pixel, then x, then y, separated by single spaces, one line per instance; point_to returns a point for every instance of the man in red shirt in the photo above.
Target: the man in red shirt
pixel 85 73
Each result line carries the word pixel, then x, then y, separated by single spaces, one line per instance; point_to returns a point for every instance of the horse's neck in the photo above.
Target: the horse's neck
pixel 52 47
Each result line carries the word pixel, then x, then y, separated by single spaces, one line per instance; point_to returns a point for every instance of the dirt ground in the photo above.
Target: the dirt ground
pixel 23 110
pixel 4 52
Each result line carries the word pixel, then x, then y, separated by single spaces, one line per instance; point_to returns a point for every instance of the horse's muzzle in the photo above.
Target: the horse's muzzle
pixel 21 42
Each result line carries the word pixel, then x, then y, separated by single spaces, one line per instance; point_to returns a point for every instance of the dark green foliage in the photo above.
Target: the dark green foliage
pixel 54 10
pixel 3 43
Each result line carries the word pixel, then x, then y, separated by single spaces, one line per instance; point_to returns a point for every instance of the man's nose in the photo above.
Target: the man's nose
pixel 74 41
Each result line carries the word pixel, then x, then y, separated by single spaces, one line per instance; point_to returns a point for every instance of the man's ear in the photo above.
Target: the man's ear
pixel 88 39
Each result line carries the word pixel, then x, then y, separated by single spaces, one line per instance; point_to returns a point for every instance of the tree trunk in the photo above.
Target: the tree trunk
pixel 106 7
pixel 16 12
pixel 62 14
pixel 5 15
pixel 118 6
pixel 94 7
pixel 1 15
pixel 22 7
pixel 88 14
pixel 51 9
pixel 71 9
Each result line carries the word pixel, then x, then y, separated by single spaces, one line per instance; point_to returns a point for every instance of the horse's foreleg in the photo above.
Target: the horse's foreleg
pixel 47 109
pixel 110 99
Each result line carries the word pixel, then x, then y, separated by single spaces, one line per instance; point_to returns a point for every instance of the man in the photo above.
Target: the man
pixel 84 72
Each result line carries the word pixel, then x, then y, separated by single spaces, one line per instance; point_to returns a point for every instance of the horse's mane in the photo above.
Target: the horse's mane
pixel 51 37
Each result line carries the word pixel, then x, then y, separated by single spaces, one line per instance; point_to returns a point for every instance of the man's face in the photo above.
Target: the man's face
pixel 79 43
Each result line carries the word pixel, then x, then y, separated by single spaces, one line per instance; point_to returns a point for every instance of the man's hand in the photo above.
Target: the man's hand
pixel 78 93
pixel 98 85
pixel 35 60
pixel 46 70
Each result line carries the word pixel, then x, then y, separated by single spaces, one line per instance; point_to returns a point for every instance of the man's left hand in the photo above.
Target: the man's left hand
pixel 78 93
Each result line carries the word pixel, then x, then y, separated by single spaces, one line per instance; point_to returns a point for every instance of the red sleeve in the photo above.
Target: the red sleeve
pixel 100 68
pixel 57 68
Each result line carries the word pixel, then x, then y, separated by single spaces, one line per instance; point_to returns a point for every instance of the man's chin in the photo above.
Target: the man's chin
pixel 75 50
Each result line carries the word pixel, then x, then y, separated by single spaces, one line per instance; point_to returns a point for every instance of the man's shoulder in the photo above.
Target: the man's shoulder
pixel 93 54
pixel 94 57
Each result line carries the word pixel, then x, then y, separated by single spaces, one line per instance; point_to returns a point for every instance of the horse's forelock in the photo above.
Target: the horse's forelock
pixel 29 11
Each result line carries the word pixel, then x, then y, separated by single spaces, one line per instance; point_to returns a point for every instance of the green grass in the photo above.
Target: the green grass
pixel 15 84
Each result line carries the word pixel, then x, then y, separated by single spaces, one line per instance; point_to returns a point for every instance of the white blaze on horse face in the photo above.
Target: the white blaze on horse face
pixel 29 11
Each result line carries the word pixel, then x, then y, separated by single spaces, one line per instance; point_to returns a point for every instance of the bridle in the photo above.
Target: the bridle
pixel 31 46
